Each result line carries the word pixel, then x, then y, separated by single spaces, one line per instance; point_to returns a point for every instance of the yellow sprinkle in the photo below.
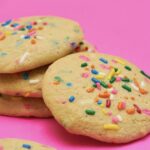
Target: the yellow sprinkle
pixel 104 111
pixel 111 73
pixel 111 127
pixel 100 76
pixel 8 33
pixel 102 105
pixel 118 72
pixel 120 61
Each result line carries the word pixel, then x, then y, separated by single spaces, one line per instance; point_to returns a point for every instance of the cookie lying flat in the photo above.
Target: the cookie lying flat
pixel 100 96
pixel 17 144
pixel 23 107
pixel 28 84
pixel 31 42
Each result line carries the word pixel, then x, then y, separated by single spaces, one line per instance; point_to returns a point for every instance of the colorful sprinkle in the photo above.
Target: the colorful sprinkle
pixel 27 146
pixel 146 75
pixel 71 98
pixel 89 90
pixel 34 81
pixel 84 64
pixel 108 103
pixel 95 80
pixel 94 71
pixel 2 36
pixel 114 91
pixel 6 23
pixel 121 105
pixel 99 102
pixel 128 68
pixel 104 95
pixel 90 112
pixel 69 84
pixel 130 111
pixel 25 75
pixel 98 85
pixel 126 88
pixel 58 79
pixel 103 60
pixel 111 127
pixel 85 75
pixel 84 58
pixel 112 80
pixel 103 84
pixel 100 76
pixel 137 108
pixel 111 74
pixel 23 58
pixel 125 80
pixel 120 61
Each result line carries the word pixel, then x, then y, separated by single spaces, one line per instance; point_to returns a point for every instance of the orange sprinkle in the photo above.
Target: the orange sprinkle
pixel 130 110
pixel 104 95
pixel 87 69
pixel 89 90
pixel 33 41
pixel 40 28
pixel 136 82
pixel 96 99
pixel 133 98
pixel 142 91
pixel 109 85
pixel 92 66
pixel 56 83
pixel 2 36
pixel 121 105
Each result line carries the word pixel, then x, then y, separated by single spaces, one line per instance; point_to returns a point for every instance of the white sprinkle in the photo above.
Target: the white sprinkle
pixel 22 59
pixel 111 96
pixel 119 118
pixel 39 37
pixel 142 84
pixel 34 81
pixel 22 36
pixel 134 86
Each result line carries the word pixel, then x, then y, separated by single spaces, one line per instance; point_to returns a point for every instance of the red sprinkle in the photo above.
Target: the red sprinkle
pixel 108 103
pixel 137 108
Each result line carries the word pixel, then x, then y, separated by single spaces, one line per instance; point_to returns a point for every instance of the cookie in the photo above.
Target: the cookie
pixel 36 41
pixel 28 83
pixel 19 144
pixel 23 107
pixel 98 95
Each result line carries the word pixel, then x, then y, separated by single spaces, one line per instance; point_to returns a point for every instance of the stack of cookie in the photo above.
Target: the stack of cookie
pixel 27 47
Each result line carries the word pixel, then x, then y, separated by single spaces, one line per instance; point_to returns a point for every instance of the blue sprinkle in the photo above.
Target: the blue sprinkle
pixel 95 80
pixel 69 84
pixel 27 146
pixel 25 76
pixel 26 37
pixel 71 98
pixel 99 102
pixel 94 71
pixel 103 60
pixel 29 27
pixel 6 23
pixel 15 25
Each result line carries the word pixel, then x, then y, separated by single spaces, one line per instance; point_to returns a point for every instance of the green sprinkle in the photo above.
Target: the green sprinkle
pixel 58 79
pixel 84 64
pixel 90 112
pixel 127 88
pixel 94 85
pixel 125 80
pixel 128 68
pixel 116 69
pixel 146 75
pixel 104 84
pixel 112 80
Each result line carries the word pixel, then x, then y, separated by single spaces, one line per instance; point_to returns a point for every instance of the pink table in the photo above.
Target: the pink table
pixel 116 27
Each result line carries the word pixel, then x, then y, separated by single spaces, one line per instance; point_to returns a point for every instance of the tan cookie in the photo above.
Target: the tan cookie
pixel 28 84
pixel 18 144
pixel 31 42
pixel 23 107
pixel 98 95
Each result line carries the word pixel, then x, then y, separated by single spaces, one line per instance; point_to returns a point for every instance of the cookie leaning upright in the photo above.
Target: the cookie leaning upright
pixel 97 95
pixel 31 42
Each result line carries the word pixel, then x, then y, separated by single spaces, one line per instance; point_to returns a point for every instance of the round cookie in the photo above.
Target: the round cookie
pixel 28 84
pixel 97 95
pixel 31 42
pixel 19 144
pixel 23 107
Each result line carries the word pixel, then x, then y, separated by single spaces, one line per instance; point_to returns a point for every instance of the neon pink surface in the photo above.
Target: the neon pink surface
pixel 116 27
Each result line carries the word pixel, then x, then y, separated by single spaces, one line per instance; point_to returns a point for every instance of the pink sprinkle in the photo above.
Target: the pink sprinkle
pixel 105 67
pixel 146 111
pixel 118 79
pixel 114 61
pixel 84 58
pixel 85 75
pixel 98 85
pixel 18 27
pixel 115 120
pixel 114 91
pixel 109 113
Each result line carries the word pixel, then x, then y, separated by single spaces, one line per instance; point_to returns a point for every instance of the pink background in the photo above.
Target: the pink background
pixel 118 27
